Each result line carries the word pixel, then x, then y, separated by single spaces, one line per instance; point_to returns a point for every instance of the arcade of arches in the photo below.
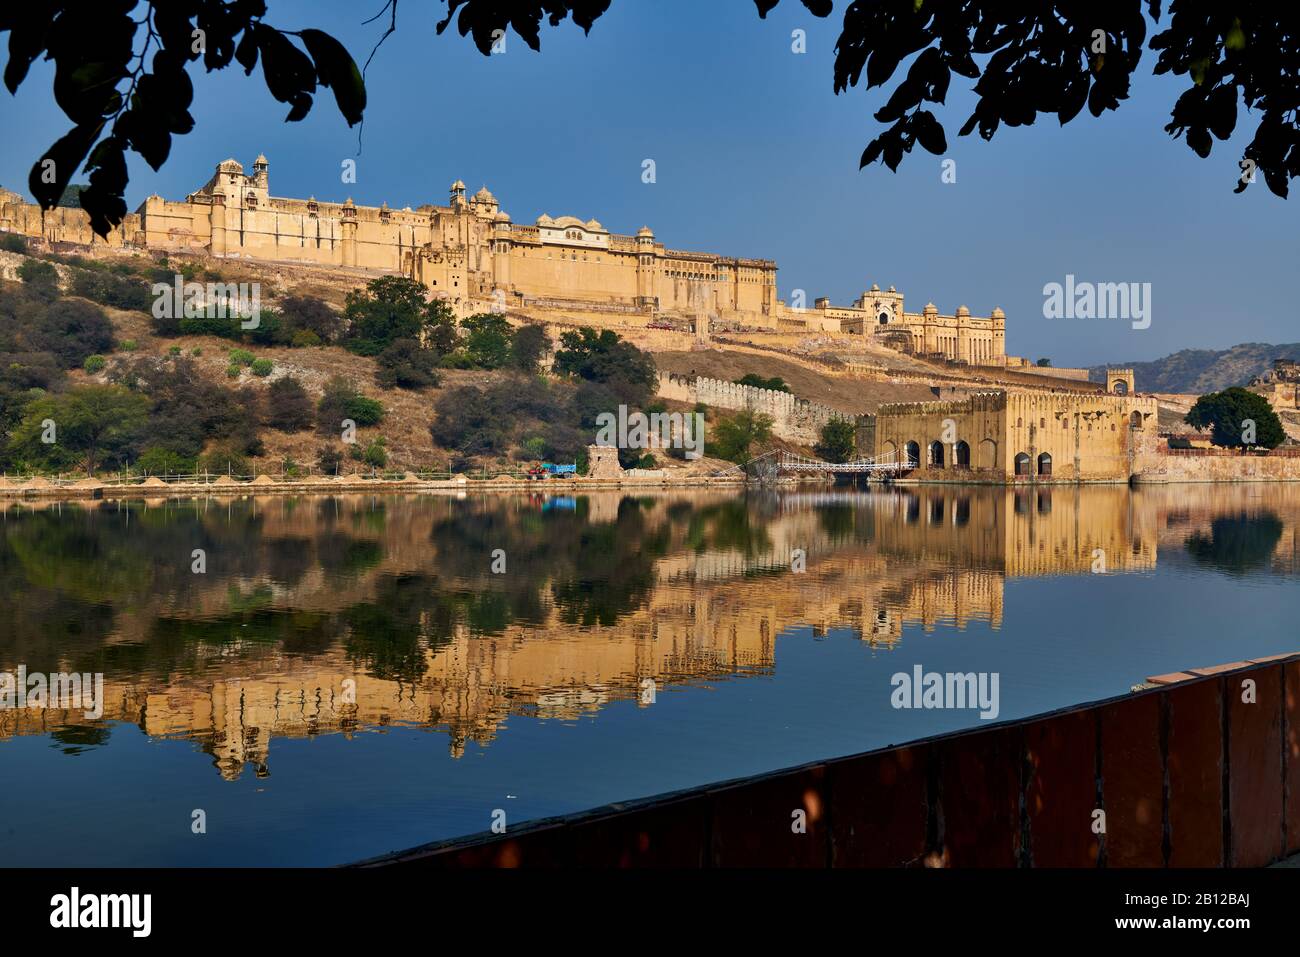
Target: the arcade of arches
pixel 1021 435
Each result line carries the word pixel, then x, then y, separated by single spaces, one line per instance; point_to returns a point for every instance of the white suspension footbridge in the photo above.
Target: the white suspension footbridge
pixel 893 464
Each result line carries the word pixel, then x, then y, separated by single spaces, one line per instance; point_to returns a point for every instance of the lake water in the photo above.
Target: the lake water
pixel 330 678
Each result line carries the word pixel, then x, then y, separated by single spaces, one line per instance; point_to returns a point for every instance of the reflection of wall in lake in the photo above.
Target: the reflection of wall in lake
pixel 1023 531
pixel 928 556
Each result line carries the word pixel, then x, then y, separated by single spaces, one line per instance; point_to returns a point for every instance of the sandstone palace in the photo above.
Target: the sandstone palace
pixel 471 253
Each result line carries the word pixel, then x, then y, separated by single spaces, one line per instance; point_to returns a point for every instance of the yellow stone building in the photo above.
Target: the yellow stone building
pixel 470 252
pixel 1021 435
pixel 1280 386
pixel 879 314
pixel 464 251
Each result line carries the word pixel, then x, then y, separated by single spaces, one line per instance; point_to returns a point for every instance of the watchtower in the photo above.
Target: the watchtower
pixel 1120 382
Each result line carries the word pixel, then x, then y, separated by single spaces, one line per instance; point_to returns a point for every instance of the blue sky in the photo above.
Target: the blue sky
pixel 756 156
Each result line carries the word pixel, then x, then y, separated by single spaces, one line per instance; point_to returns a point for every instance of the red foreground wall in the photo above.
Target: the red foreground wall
pixel 1188 775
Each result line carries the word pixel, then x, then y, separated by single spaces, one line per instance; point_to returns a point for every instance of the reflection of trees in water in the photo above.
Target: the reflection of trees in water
pixel 77 738
pixel 1237 543
pixel 845 524
pixel 67 575
pixel 595 572
pixel 611 571
pixel 728 526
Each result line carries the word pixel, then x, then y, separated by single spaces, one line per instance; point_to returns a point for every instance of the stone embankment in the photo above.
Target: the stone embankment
pixel 38 487
pixel 1218 465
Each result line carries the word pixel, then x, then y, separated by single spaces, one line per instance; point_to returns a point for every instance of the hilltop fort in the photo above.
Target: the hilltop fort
pixel 471 253
pixel 935 391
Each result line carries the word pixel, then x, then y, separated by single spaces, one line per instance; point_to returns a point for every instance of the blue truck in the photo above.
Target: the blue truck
pixel 545 470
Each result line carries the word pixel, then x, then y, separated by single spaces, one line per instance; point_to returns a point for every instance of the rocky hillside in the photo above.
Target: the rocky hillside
pixel 1204 370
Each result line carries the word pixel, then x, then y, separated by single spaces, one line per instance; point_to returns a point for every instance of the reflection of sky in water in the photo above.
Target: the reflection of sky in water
pixel 520 691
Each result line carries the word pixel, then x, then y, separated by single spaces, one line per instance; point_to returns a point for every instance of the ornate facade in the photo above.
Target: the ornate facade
pixel 1021 436
pixel 879 314
pixel 466 250
pixel 471 253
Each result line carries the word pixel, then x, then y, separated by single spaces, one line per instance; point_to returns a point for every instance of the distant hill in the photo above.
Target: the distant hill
pixel 1203 370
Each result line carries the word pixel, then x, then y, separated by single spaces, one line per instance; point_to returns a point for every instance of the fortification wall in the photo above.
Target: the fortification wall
pixel 1196 465
pixel 795 419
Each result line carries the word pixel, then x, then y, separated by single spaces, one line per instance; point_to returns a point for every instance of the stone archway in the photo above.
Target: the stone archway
pixel 936 455
pixel 1022 463
pixel 988 454
pixel 961 456
pixel 1045 464
pixel 913 452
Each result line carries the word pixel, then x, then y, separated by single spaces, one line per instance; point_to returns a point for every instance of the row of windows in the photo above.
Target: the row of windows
pixel 1134 422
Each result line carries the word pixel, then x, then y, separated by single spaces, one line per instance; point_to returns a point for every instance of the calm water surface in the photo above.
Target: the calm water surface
pixel 349 676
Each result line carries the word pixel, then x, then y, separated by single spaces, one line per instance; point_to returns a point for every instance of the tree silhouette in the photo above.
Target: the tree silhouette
pixel 1052 57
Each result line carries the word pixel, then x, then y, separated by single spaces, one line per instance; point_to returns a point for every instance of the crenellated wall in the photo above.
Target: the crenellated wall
pixel 795 419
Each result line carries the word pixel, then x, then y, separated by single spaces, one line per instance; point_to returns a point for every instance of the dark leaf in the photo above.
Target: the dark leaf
pixel 290 74
pixel 336 69
pixel 54 170
pixel 929 133
pixel 1221 111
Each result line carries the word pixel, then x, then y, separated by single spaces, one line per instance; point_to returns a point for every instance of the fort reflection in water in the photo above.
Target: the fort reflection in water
pixel 345 614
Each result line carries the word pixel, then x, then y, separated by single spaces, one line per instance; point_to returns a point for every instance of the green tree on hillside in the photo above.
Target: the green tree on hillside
pixel 734 438
pixel 775 384
pixel 839 441
pixel 405 365
pixel 529 345
pixel 604 357
pixel 85 423
pixel 1233 414
pixel 390 308
pixel 487 340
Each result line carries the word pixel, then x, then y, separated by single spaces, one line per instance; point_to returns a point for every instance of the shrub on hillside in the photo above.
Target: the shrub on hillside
pixel 529 345
pixel 187 411
pixel 224 460
pixel 107 289
pixel 375 453
pixel 72 330
pixel 342 401
pixel 94 364
pixel 40 277
pixel 157 460
pixel 13 243
pixel 405 365
pixel 487 342
pixel 306 314
pixel 605 357
pixel 288 407
pixel 329 459
pixel 390 308
pixel 775 384
pixel 492 420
